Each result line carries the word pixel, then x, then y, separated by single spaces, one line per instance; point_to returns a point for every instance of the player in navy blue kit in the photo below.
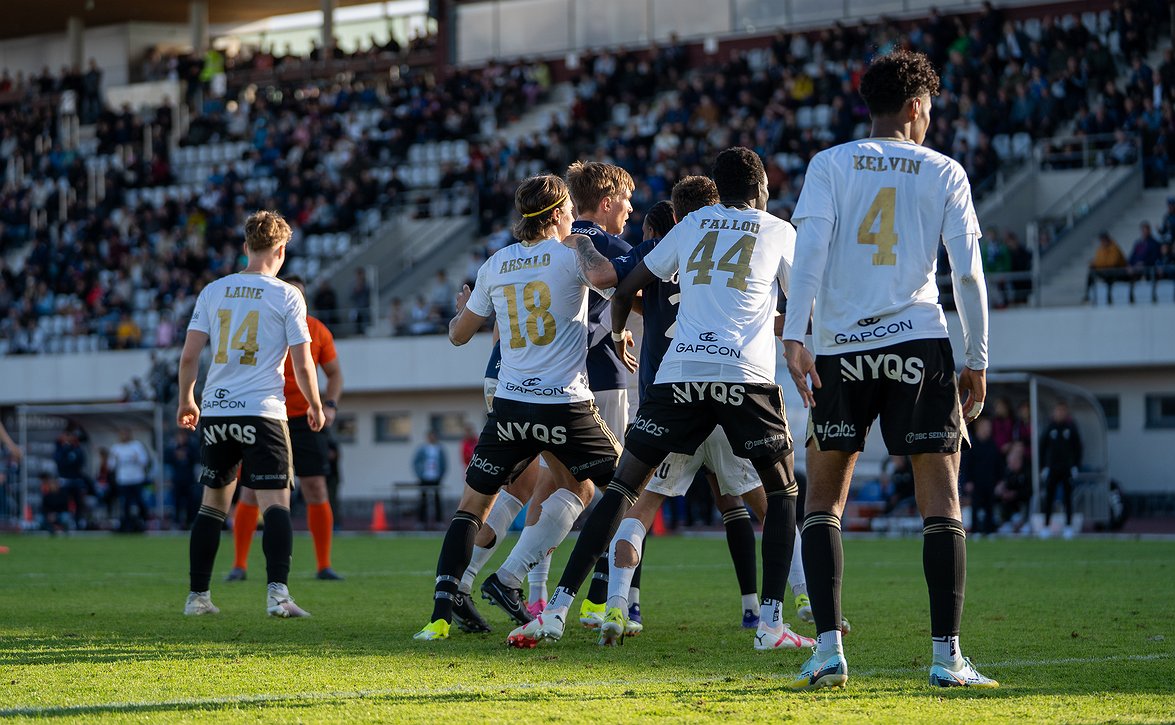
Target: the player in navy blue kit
pixel 602 195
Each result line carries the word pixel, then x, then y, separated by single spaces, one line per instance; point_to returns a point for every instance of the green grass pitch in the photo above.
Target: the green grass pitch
pixel 90 629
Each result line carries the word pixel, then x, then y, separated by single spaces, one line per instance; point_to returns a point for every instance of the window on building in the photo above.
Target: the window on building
pixel 448 426
pixel 1110 404
pixel 393 427
pixel 1160 411
pixel 345 428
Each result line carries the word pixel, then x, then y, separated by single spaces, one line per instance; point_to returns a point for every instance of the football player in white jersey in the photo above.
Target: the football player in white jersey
pixel 871 216
pixel 542 402
pixel 253 319
pixel 720 370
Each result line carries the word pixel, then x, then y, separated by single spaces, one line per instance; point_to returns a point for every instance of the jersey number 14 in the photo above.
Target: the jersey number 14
pixel 244 338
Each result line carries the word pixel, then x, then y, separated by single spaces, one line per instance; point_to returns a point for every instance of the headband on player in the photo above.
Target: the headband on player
pixel 549 208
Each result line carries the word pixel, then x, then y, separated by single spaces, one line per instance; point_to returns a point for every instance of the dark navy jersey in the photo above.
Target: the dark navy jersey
pixel 495 361
pixel 660 312
pixel 604 369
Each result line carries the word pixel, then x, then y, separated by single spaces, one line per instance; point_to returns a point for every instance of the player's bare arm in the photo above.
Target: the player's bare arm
pixel 465 323
pixel 187 414
pixel 307 377
pixel 594 267
pixel 622 301
pixel 334 389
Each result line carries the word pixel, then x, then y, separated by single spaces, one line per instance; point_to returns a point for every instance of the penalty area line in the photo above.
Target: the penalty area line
pixel 279 698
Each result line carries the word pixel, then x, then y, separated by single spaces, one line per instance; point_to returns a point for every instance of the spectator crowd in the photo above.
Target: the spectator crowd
pixel 111 265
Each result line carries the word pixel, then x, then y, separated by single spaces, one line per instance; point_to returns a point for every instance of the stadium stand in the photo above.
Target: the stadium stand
pixel 107 232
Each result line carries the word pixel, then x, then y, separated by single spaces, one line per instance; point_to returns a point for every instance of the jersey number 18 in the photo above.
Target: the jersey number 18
pixel 536 300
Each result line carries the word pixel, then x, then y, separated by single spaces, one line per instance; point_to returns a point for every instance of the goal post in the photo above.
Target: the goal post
pixel 40 426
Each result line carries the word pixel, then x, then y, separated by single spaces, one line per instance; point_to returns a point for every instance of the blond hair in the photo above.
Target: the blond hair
pixel 265 230
pixel 591 182
pixel 536 200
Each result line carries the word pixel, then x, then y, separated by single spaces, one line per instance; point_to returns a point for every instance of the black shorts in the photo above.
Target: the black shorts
pixel 310 449
pixel 516 432
pixel 677 418
pixel 910 385
pixel 261 445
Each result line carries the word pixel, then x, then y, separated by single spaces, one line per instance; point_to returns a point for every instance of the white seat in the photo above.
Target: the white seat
pixel 822 116
pixel 313 267
pixel 804 117
pixel 314 245
pixel 1101 293
pixel 1002 145
pixel 1165 291
pixel 1120 293
pixel 1021 145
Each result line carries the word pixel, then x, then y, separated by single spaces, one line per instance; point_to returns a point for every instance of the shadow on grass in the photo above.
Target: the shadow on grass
pixel 714 692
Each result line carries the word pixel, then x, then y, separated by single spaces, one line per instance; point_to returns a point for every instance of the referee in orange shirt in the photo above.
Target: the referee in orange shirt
pixel 311 456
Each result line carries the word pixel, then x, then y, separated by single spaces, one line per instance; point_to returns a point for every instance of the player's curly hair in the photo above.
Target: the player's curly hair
pixel 692 193
pixel 659 219
pixel 265 230
pixel 536 200
pixel 591 182
pixel 893 79
pixel 737 173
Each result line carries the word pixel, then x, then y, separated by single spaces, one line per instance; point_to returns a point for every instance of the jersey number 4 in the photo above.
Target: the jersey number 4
pixel 244 338
pixel 737 260
pixel 536 300
pixel 881 212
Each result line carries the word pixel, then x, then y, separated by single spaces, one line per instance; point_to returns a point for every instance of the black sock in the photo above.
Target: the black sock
pixel 779 540
pixel 277 541
pixel 824 564
pixel 596 535
pixel 740 539
pixel 202 546
pixel 598 591
pixel 944 561
pixel 456 551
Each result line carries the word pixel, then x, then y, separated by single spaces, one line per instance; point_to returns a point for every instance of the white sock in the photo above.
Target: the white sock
pixel 828 643
pixel 632 532
pixel 771 613
pixel 751 602
pixel 795 577
pixel 476 562
pixel 503 513
pixel 538 540
pixel 634 595
pixel 946 650
pixel 562 599
pixel 537 577
pixel 278 590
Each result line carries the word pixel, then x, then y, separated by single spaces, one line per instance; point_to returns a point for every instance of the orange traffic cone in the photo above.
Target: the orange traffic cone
pixel 28 514
pixel 379 520
pixel 659 524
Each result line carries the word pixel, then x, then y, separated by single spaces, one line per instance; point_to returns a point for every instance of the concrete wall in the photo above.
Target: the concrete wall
pixel 107 44
pixel 1129 351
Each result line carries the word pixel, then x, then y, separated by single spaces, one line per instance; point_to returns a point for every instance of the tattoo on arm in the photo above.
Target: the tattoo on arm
pixel 590 259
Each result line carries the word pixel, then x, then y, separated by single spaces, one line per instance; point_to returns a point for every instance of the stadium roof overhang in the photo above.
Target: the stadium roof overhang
pixel 49 16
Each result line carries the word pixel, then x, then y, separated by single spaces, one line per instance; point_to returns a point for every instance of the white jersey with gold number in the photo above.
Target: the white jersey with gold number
pixel 727 262
pixel 251 320
pixel 541 303
pixel 890 202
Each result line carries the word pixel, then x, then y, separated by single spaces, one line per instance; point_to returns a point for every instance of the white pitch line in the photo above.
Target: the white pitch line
pixel 277 698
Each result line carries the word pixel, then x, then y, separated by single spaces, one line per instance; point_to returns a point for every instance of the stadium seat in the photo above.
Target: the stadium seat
pixel 1021 145
pixel 822 116
pixel 1120 293
pixel 804 118
pixel 1164 291
pixel 1101 293
pixel 1002 144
